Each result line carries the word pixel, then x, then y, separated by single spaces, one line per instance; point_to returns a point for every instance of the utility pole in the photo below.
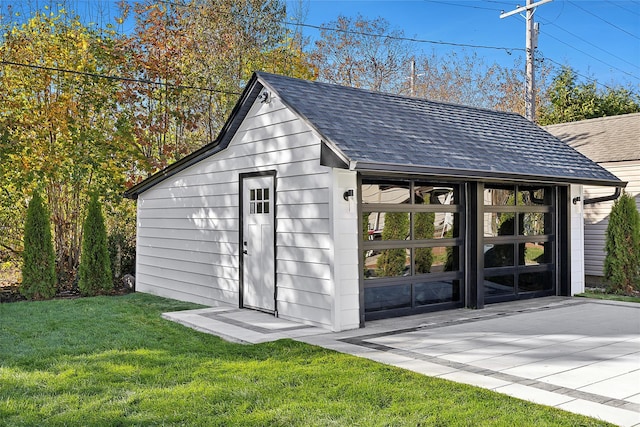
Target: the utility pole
pixel 412 78
pixel 531 45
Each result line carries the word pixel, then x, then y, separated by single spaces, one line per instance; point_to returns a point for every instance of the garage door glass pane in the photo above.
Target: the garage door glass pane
pixel 499 196
pixel 387 225
pixel 534 195
pixel 531 282
pixel 498 285
pixel 386 192
pixel 499 224
pixel 387 298
pixel 433 194
pixel 535 253
pixel 436 292
pixel 387 263
pixel 498 255
pixel 436 260
pixel 535 224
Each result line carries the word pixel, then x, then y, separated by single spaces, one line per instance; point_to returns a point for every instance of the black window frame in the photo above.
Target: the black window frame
pixel 411 207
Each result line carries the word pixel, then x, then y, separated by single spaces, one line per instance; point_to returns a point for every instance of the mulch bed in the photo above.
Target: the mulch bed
pixel 10 292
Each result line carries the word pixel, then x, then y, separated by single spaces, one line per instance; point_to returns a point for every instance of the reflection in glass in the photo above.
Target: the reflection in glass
pixel 498 285
pixel 535 253
pixel 387 263
pixel 436 260
pixel 534 195
pixel 535 224
pixel 387 225
pixel 434 194
pixel 387 297
pixel 531 282
pixel 391 192
pixel 498 255
pixel 436 292
pixel 499 224
pixel 499 195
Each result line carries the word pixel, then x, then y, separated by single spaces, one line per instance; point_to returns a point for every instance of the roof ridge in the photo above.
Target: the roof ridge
pixel 595 119
pixel 389 94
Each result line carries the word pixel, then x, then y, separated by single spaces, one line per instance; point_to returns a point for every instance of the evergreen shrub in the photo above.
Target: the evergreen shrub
pixel 95 267
pixel 38 256
pixel 622 261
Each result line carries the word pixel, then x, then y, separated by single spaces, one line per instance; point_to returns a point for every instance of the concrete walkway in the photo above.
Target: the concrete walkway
pixel 580 355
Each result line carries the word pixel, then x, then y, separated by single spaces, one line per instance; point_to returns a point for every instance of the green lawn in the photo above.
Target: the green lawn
pixel 114 361
pixel 610 297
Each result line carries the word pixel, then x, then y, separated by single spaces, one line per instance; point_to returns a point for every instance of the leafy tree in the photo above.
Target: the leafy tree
pixel 391 262
pixel 38 269
pixel 59 129
pixel 572 101
pixel 95 267
pixel 202 53
pixel 622 261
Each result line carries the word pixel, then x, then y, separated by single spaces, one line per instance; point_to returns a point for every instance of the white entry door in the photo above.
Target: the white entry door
pixel 258 243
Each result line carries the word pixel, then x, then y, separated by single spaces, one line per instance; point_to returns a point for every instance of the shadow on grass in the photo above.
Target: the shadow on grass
pixel 115 361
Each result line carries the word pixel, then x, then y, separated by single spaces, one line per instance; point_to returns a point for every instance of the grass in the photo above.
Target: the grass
pixel 114 361
pixel 610 297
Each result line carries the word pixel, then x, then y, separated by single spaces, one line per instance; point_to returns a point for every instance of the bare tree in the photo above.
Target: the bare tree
pixel 362 53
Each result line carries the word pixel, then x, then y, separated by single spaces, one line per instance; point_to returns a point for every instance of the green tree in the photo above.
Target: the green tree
pixel 202 53
pixel 38 268
pixel 59 130
pixel 622 261
pixel 424 228
pixel 571 101
pixel 95 267
pixel 391 262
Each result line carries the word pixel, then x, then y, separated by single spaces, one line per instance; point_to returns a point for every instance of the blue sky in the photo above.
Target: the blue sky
pixel 600 39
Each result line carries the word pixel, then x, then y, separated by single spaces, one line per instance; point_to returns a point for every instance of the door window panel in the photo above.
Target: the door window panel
pixel 259 201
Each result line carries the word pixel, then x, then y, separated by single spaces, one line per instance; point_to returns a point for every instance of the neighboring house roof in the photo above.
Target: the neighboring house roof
pixel 372 131
pixel 605 139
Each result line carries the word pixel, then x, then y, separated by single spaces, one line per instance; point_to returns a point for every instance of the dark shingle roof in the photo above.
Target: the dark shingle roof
pixel 605 139
pixel 392 133
pixel 404 133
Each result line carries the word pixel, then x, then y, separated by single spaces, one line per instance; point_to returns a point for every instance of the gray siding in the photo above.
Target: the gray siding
pixel 596 216
pixel 188 225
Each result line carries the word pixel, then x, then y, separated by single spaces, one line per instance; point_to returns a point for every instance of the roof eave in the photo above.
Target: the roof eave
pixel 391 168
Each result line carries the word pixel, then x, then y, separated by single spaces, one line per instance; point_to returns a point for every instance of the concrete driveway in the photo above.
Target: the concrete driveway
pixel 576 354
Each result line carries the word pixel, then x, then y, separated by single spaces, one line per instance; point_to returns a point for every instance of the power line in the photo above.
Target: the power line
pixel 462 5
pixel 118 78
pixel 577 73
pixel 593 57
pixel 591 44
pixel 360 33
pixel 635 12
pixel 604 20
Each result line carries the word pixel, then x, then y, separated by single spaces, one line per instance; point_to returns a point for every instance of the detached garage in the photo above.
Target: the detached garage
pixel 330 206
